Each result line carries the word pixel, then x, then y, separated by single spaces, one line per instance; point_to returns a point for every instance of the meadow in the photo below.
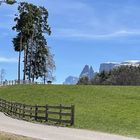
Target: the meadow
pixel 111 109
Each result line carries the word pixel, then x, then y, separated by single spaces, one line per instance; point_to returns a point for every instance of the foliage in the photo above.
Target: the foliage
pixel 10 2
pixel 125 75
pixel 84 81
pixel 101 78
pixel 31 24
pixel 112 109
pixel 122 75
pixel 2 75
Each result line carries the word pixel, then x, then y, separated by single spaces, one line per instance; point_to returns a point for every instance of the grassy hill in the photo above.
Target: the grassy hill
pixel 113 109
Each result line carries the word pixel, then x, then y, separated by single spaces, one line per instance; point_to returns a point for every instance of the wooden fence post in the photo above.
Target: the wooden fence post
pixel 0 105
pixel 30 112
pixel 72 114
pixel 5 105
pixel 46 113
pixel 23 111
pixel 60 115
pixel 16 110
pixel 36 112
pixel 20 108
pixel 13 109
pixel 10 107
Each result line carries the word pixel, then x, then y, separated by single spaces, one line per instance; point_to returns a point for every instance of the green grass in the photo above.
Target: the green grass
pixel 113 109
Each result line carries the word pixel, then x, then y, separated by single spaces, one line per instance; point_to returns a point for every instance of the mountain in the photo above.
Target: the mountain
pixel 87 72
pixel 107 66
pixel 111 65
pixel 71 80
pixel 91 73
pixel 131 62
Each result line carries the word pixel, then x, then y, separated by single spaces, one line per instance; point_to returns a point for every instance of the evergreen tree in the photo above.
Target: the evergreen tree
pixel 10 2
pixel 122 75
pixel 84 81
pixel 31 23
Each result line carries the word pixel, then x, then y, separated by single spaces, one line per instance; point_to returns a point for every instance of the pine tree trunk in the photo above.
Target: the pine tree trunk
pixel 19 59
pixel 33 79
pixel 25 62
pixel 24 71
pixel 44 79
pixel 31 59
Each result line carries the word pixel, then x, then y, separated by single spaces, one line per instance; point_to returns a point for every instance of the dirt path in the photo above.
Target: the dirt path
pixel 9 136
pixel 45 132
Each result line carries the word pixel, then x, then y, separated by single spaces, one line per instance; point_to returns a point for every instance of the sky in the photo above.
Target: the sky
pixel 83 32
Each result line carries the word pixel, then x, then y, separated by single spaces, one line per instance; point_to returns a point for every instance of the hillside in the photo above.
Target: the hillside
pixel 113 109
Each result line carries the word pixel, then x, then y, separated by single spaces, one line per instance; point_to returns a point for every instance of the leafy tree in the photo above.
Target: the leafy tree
pixel 49 68
pixel 23 26
pixel 123 75
pixel 10 2
pixel 101 78
pixel 18 46
pixel 2 75
pixel 31 23
pixel 84 81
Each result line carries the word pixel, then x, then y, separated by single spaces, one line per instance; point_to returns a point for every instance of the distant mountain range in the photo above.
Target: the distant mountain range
pixel 86 72
pixel 71 80
pixel 107 66
pixel 89 72
pixel 111 65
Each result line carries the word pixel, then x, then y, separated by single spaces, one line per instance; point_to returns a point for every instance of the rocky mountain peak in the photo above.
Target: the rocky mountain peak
pixel 87 72
pixel 71 80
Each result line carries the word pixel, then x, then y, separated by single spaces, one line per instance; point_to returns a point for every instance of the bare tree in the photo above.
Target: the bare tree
pixel 48 77
pixel 2 75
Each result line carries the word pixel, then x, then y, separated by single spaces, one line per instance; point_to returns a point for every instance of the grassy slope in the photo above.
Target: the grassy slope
pixel 113 109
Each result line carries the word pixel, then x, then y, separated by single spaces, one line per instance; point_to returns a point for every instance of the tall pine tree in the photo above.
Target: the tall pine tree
pixel 31 24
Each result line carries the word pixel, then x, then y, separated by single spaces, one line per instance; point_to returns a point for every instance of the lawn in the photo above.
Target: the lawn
pixel 113 109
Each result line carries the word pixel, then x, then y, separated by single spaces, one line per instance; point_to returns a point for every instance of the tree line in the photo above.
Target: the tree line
pixel 122 75
pixel 31 27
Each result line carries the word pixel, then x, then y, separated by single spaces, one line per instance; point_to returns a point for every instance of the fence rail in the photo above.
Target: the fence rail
pixel 16 82
pixel 63 115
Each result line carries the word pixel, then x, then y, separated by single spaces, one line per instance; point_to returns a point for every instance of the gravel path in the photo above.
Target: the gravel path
pixel 45 132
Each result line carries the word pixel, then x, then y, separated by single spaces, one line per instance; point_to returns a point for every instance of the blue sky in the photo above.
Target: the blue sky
pixel 83 32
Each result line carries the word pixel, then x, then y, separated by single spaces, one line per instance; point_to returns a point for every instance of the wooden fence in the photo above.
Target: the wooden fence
pixel 63 115
pixel 16 82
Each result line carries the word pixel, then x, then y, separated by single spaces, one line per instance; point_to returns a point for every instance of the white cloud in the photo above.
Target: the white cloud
pixel 94 20
pixel 72 33
pixel 8 60
pixel 63 6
